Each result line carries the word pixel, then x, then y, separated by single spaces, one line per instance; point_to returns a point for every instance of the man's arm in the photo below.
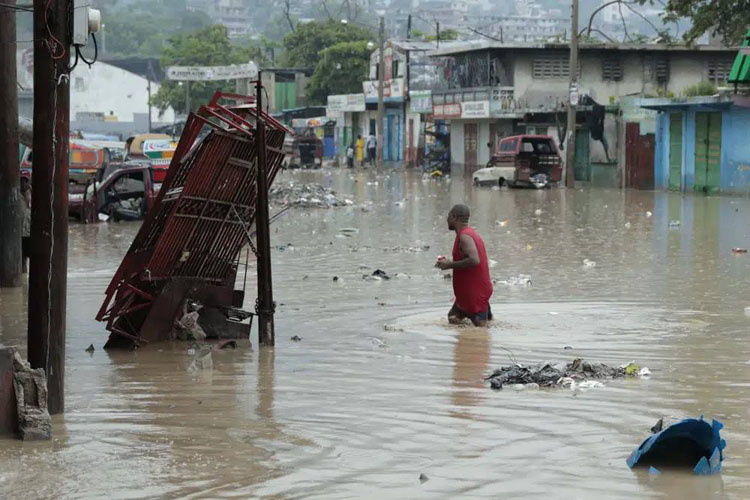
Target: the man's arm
pixel 469 249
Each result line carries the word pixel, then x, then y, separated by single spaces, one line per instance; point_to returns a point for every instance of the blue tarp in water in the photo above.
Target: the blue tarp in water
pixel 689 443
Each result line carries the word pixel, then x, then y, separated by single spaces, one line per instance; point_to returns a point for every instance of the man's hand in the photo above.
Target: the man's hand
pixel 444 264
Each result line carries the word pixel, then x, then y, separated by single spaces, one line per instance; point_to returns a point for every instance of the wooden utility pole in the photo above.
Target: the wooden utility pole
pixel 381 80
pixel 10 217
pixel 49 215
pixel 266 334
pixel 570 143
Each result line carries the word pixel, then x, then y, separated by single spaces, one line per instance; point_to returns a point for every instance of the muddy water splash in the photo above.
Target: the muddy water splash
pixel 357 410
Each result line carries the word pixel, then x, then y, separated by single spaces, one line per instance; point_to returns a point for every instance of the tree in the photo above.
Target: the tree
pixel 728 18
pixel 446 35
pixel 206 47
pixel 341 70
pixel 142 28
pixel 305 46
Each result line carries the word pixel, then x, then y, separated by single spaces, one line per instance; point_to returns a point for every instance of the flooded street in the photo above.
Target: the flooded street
pixel 358 409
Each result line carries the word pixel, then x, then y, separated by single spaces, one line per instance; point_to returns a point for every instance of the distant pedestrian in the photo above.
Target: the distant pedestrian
pixel 350 156
pixel 372 145
pixel 360 150
pixel 25 204
pixel 471 272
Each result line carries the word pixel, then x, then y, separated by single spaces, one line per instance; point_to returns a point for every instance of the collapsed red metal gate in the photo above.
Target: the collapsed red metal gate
pixel 190 243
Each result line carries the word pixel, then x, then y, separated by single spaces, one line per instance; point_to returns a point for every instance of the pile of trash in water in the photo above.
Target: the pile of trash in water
pixel 577 374
pixel 307 196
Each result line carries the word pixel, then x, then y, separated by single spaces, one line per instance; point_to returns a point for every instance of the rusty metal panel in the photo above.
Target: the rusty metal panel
pixel 200 221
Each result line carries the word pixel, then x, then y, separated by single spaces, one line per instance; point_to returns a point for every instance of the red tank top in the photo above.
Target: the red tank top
pixel 472 286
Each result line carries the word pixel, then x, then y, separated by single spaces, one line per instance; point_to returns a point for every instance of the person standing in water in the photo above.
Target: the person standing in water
pixel 360 151
pixel 471 271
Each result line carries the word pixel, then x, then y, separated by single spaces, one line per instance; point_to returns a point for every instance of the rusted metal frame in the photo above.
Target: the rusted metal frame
pixel 127 335
pixel 160 251
pixel 229 95
pixel 224 231
pixel 220 202
pixel 236 117
pixel 226 120
pixel 230 248
pixel 119 303
pixel 136 307
pixel 219 171
pixel 269 119
pixel 140 292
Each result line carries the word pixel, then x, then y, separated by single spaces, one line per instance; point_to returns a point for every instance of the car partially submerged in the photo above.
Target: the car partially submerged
pixel 522 161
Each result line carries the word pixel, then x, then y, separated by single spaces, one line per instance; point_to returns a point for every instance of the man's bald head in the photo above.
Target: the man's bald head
pixel 458 217
pixel 461 212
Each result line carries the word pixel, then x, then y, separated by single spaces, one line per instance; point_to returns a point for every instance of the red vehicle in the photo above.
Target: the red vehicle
pixel 125 194
pixel 523 160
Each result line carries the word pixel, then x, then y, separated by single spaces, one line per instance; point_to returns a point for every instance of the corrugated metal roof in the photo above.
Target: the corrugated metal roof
pixel 473 45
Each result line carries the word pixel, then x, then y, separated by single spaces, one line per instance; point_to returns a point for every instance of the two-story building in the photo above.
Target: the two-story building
pixel 488 90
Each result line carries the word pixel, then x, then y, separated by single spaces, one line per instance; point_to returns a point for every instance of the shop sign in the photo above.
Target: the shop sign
pixel 420 101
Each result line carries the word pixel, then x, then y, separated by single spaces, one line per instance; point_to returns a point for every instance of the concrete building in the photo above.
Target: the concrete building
pixel 234 14
pixel 702 144
pixel 487 90
pixel 103 98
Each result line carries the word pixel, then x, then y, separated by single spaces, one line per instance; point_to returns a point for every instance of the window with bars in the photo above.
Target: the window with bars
pixel 549 66
pixel 612 69
pixel 719 69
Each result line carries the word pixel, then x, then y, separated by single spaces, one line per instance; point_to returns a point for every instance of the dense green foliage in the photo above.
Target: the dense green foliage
pixel 341 70
pixel 305 46
pixel 728 18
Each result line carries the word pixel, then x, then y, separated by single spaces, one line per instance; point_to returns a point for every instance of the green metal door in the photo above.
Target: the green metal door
pixel 707 151
pixel 675 151
pixel 583 159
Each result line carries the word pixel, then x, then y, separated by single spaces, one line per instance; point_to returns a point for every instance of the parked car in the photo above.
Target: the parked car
pixel 522 161
pixel 125 194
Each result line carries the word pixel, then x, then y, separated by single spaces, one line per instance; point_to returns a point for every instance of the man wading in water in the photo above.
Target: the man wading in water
pixel 471 271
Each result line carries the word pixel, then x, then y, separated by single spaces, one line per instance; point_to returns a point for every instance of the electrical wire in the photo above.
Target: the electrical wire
pixel 96 53
pixel 54 43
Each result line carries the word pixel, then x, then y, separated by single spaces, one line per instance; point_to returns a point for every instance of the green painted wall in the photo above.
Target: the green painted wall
pixel 675 151
pixel 707 152
pixel 286 95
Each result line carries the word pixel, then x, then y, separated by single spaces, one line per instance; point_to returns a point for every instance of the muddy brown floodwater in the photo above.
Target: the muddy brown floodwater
pixel 358 410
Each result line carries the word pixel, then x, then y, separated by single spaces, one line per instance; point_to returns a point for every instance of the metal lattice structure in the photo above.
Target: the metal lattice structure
pixel 191 240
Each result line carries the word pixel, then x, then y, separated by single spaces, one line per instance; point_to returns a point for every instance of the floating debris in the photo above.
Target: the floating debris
pixel 310 195
pixel 737 251
pixel 412 249
pixel 690 443
pixel 90 349
pixel 520 280
pixel 589 263
pixel 674 224
pixel 559 375
pixel 296 338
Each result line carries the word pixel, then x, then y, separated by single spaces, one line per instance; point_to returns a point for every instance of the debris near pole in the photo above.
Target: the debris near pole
pixel 188 247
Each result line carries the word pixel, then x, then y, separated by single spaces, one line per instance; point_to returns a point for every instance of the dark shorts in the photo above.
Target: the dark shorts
pixel 480 316
pixel 26 247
